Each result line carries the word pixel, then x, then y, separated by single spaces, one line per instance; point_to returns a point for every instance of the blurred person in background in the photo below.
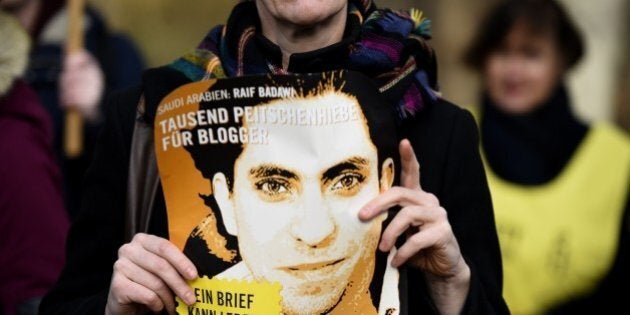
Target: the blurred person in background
pixel 33 222
pixel 109 62
pixel 559 186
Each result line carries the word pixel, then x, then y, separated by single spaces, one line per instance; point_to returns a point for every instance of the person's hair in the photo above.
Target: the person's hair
pixel 540 17
pixel 380 119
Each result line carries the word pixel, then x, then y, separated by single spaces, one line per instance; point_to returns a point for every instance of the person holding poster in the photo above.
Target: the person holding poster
pixel 436 252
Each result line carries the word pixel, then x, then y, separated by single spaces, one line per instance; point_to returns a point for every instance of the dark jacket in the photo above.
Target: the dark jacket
pixel 443 136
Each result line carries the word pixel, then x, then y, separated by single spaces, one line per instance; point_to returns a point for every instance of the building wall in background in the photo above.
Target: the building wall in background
pixel 595 82
pixel 454 24
pixel 164 29
pixel 622 114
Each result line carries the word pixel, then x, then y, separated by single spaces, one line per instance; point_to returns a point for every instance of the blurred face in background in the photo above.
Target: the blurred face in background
pixel 522 73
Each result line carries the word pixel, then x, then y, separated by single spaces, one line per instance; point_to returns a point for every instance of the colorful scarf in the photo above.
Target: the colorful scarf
pixel 390 47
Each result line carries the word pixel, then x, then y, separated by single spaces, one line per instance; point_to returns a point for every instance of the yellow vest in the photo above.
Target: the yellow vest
pixel 558 240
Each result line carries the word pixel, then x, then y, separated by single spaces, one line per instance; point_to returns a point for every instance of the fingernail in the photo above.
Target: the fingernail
pixel 192 273
pixel 382 246
pixel 190 298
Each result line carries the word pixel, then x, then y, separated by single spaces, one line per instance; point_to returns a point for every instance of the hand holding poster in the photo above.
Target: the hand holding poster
pixel 263 180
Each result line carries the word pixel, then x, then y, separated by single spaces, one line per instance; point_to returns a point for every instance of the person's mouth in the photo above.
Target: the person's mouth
pixel 512 88
pixel 316 266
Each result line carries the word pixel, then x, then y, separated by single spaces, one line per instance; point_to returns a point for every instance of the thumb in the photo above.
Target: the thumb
pixel 410 174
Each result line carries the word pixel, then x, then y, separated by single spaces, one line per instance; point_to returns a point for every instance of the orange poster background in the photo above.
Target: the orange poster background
pixel 185 208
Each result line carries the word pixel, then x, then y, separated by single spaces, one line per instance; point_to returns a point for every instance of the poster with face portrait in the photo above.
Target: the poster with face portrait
pixel 263 178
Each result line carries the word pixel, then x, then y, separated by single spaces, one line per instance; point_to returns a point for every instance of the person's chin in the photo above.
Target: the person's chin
pixel 305 21
pixel 517 109
pixel 513 103
pixel 312 297
pixel 315 285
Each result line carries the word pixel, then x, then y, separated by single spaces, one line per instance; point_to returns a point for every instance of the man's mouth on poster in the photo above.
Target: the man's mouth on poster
pixel 321 266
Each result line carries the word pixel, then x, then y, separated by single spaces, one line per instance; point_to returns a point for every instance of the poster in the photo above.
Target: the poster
pixel 263 178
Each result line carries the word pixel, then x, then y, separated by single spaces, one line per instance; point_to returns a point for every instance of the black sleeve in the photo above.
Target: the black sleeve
pixel 97 232
pixel 446 143
pixel 466 197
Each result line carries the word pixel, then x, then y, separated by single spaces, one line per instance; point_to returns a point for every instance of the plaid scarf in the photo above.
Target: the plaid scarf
pixel 389 47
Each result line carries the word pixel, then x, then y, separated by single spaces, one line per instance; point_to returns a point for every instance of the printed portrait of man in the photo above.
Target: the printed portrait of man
pixel 292 201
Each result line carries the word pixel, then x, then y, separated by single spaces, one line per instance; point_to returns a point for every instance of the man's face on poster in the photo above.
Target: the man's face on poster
pixel 295 201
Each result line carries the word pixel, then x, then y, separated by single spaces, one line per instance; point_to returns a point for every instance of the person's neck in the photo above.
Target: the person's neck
pixel 292 38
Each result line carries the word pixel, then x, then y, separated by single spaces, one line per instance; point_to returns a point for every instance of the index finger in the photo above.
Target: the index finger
pixel 171 253
pixel 410 173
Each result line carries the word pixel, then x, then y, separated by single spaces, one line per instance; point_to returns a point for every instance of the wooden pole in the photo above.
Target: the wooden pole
pixel 73 129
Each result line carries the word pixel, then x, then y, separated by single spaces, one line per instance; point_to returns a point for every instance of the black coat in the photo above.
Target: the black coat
pixel 443 136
